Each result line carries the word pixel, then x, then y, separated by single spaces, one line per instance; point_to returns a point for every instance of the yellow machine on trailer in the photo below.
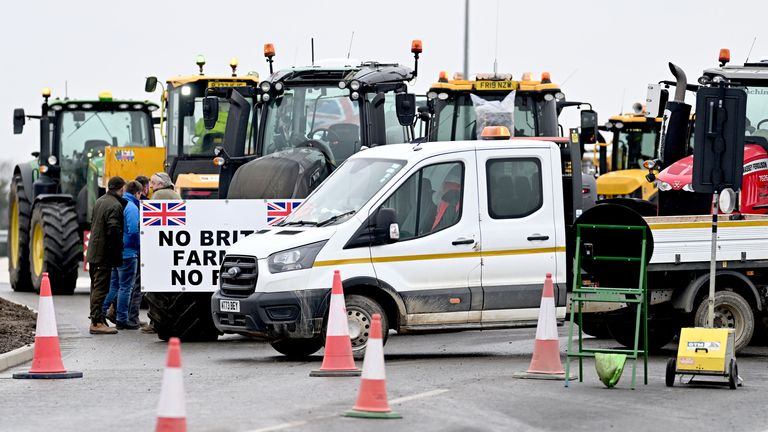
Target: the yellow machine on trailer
pixel 705 352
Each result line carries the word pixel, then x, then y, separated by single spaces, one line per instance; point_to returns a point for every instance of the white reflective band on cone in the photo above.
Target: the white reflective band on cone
pixel 46 318
pixel 172 395
pixel 546 329
pixel 373 364
pixel 337 317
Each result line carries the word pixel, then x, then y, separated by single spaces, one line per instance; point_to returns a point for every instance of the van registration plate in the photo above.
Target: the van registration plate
pixel 229 305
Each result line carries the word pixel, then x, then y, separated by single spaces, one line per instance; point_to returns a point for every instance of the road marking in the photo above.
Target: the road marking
pixel 418 396
pixel 289 425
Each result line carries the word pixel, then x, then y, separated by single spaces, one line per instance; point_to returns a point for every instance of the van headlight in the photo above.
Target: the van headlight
pixel 302 257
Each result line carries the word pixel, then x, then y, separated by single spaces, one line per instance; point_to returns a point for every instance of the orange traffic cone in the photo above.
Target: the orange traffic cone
pixel 171 411
pixel 337 359
pixel 546 349
pixel 46 362
pixel 372 399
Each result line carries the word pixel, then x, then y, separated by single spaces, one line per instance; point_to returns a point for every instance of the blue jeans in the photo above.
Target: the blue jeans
pixel 135 304
pixel 121 286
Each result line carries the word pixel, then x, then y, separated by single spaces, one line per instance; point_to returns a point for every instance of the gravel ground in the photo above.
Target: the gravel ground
pixel 17 326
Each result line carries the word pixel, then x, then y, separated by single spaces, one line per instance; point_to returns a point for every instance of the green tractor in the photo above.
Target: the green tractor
pixel 82 144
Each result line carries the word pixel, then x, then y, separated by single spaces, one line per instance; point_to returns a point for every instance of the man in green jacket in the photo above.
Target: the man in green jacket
pixel 105 249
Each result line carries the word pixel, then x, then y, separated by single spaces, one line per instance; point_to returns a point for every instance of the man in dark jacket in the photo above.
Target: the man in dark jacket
pixel 105 249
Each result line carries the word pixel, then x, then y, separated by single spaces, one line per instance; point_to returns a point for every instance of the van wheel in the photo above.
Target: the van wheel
pixel 297 348
pixel 731 311
pixel 360 310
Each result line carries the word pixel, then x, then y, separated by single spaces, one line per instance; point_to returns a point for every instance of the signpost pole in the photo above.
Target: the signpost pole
pixel 713 262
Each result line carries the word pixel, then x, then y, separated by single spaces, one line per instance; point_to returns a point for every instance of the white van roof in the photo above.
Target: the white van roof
pixel 424 150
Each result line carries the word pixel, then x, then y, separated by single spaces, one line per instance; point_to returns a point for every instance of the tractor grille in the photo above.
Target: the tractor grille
pixel 242 282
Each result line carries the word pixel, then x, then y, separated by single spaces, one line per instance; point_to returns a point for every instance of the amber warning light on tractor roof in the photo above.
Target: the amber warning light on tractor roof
pixel 724 57
pixel 416 47
pixel 269 52
pixel 233 62
pixel 443 77
pixel 495 133
pixel 546 78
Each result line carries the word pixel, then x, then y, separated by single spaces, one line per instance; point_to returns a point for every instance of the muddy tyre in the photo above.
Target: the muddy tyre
pixel 360 310
pixel 19 216
pixel 183 315
pixel 297 348
pixel 731 311
pixel 55 246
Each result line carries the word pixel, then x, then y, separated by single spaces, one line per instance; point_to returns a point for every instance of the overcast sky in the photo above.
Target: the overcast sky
pixel 607 50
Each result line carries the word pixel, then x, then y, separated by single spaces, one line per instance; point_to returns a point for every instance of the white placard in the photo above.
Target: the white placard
pixel 183 242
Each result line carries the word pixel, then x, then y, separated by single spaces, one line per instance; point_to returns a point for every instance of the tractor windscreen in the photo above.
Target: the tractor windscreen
pixel 455 116
pixel 636 144
pixel 186 122
pixel 757 110
pixel 322 117
pixel 83 135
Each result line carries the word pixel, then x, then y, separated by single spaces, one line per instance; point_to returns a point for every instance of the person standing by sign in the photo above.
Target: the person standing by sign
pixel 136 294
pixel 105 249
pixel 123 277
pixel 162 187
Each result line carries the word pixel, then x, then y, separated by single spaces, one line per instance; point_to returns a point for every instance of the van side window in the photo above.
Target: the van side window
pixel 514 187
pixel 429 201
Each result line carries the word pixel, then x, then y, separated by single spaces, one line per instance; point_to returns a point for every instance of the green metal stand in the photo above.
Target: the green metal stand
pixel 584 294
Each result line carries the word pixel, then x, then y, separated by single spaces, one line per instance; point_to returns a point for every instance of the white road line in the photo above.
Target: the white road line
pixel 418 396
pixel 289 425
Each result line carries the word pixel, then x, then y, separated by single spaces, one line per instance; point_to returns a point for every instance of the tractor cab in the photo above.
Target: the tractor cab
pixel 635 140
pixel 83 142
pixel 310 120
pixel 453 119
pixel 189 145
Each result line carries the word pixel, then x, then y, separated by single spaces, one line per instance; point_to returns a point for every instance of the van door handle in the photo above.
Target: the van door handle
pixel 538 237
pixel 463 241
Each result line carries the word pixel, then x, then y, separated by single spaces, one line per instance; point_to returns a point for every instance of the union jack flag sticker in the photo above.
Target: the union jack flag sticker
pixel 279 210
pixel 156 213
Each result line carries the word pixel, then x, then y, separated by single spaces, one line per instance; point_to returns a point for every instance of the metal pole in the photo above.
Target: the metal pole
pixel 466 39
pixel 713 263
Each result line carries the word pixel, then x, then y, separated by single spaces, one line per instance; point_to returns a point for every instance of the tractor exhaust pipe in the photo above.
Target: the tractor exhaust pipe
pixel 674 140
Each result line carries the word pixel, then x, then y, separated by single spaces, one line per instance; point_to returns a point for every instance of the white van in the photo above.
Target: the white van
pixel 434 237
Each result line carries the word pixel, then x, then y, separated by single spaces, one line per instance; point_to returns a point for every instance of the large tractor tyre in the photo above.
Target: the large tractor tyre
pixel 183 315
pixel 360 310
pixel 731 311
pixel 659 334
pixel 55 246
pixel 595 329
pixel 19 215
pixel 297 348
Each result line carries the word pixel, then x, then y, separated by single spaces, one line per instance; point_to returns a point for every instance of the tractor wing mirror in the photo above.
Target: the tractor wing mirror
pixel 588 126
pixel 150 85
pixel 405 104
pixel 18 120
pixel 210 111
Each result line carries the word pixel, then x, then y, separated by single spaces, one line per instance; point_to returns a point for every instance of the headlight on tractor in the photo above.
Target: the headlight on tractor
pixel 299 258
pixel 663 186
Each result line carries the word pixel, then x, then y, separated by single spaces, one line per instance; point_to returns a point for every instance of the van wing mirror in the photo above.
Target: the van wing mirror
pixel 405 105
pixel 150 85
pixel 387 229
pixel 588 127
pixel 19 119
pixel 210 111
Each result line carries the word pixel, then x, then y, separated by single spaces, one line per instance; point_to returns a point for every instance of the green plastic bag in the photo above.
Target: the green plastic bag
pixel 609 367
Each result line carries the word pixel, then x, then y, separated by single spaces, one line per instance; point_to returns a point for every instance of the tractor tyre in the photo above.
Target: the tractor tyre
pixel 183 315
pixel 55 246
pixel 19 215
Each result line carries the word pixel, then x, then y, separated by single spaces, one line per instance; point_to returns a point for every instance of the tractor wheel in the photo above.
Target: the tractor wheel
pixel 183 315
pixel 297 348
pixel 55 246
pixel 659 334
pixel 20 212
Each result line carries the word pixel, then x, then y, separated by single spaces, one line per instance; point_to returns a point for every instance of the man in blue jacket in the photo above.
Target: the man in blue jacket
pixel 123 277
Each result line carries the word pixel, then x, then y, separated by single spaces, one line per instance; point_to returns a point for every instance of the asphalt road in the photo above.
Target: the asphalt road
pixel 453 382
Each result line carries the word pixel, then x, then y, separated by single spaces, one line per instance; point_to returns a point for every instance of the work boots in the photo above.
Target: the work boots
pixel 102 328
